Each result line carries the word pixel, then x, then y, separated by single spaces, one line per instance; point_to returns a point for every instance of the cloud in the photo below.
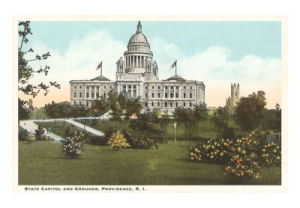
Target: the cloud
pixel 213 66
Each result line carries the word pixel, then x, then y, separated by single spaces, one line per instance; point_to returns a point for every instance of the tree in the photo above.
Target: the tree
pixel 116 113
pixel 186 118
pixel 25 70
pixel 99 107
pixel 52 110
pixel 133 107
pixel 220 119
pixel 22 111
pixel 249 111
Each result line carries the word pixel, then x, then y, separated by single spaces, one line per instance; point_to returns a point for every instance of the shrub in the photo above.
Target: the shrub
pixel 243 157
pixel 96 140
pixel 72 144
pixel 141 143
pixel 212 150
pixel 270 155
pixel 23 134
pixel 39 134
pixel 117 141
pixel 109 132
pixel 243 165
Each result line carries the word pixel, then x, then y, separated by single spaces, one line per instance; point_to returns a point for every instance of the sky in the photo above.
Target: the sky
pixel 217 53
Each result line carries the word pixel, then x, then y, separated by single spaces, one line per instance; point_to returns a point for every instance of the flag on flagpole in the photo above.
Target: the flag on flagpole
pixel 174 64
pixel 99 66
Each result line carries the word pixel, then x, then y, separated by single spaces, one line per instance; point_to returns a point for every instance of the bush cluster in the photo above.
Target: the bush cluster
pixel 243 157
pixel 270 155
pixel 72 144
pixel 117 141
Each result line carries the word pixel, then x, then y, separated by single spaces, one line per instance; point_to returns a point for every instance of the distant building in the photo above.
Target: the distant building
pixel 137 77
pixel 231 102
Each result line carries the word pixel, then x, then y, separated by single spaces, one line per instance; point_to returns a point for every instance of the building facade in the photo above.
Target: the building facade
pixel 137 77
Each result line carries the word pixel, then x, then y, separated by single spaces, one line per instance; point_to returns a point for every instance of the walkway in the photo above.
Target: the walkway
pixel 30 126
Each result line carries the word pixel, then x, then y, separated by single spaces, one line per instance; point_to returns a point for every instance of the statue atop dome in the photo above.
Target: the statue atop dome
pixel 139 27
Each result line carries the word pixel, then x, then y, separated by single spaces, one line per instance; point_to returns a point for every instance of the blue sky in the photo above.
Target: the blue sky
pixel 242 38
pixel 217 53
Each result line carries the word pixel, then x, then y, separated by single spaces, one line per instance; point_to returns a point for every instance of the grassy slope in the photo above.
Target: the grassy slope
pixel 42 163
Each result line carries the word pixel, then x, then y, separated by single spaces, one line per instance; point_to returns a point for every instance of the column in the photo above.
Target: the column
pixel 90 92
pixel 164 91
pixel 131 90
pixel 95 96
pixel 137 90
pixel 84 93
pixel 169 91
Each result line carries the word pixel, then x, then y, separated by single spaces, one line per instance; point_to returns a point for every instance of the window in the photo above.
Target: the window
pixel 104 87
pixel 146 104
pixel 166 104
pixel 146 88
pixel 152 87
pixel 172 95
pixel 177 95
pixel 87 87
pixel 184 104
pixel 146 95
pixel 177 87
pixel 184 95
pixel 158 104
pixel 172 88
pixel 109 87
pixel 184 87
pixel 74 94
pixel 92 94
pixel 171 105
pixel 191 87
pixel 190 104
pixel 75 87
pixel 97 87
pixel 158 95
pixel 158 87
pixel 80 87
pixel 87 94
pixel 176 104
pixel 74 102
pixel 152 104
pixel 166 95
pixel 166 87
pixel 97 94
pixel 92 87
pixel 80 94
pixel 104 95
pixel 153 95
pixel 191 95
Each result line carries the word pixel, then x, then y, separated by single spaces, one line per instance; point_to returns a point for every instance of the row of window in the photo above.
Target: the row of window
pixel 88 95
pixel 169 104
pixel 93 87
pixel 171 87
pixel 171 95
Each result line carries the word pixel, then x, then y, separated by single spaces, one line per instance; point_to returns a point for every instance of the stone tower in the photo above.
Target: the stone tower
pixel 232 101
pixel 235 94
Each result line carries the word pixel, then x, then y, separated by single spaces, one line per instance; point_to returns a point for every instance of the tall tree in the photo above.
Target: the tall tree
pixel 116 113
pixel 220 119
pixel 25 70
pixel 249 111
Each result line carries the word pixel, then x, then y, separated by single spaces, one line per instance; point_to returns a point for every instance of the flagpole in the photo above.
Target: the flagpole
pixel 176 69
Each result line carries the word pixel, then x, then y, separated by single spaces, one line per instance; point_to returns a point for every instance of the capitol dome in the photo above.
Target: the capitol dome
pixel 138 38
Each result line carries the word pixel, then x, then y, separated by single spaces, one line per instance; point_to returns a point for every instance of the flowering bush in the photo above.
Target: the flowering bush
pixel 212 150
pixel 72 144
pixel 117 141
pixel 270 155
pixel 242 157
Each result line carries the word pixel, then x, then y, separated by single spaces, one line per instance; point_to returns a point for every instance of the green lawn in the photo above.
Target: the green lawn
pixel 43 163
pixel 204 130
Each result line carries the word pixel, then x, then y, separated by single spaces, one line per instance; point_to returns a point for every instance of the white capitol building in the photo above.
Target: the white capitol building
pixel 137 77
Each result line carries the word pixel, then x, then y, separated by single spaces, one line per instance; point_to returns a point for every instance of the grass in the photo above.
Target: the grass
pixel 204 130
pixel 43 163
